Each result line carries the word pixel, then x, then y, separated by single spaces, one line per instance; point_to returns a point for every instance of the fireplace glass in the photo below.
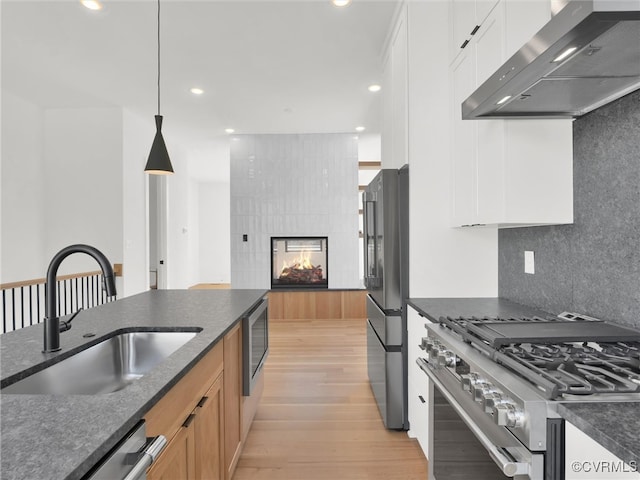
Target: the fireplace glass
pixel 299 262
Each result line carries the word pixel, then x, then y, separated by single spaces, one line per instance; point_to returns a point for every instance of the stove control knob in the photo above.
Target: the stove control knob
pixel 434 351
pixel 491 399
pixel 469 379
pixel 480 389
pixel 446 358
pixel 426 344
pixel 507 414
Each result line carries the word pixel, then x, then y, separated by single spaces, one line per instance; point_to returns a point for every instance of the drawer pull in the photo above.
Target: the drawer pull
pixel 188 421
pixel 422 399
pixel 202 401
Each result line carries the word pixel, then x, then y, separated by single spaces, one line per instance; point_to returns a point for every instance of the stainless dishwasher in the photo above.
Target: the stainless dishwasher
pixel 130 459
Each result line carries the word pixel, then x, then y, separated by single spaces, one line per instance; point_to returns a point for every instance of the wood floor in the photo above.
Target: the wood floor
pixel 317 419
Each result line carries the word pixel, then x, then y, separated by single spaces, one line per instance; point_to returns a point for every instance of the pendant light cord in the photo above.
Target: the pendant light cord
pixel 158 57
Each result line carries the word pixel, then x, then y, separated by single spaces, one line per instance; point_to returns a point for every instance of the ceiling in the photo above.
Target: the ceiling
pixel 265 66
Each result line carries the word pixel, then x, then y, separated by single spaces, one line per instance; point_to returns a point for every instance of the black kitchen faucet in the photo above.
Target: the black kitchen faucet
pixel 51 320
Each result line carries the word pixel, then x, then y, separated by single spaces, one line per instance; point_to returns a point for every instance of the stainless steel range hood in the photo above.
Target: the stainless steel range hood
pixel 535 83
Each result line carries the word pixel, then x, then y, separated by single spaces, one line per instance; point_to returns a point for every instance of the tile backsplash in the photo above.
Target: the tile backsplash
pixel 293 185
pixel 593 265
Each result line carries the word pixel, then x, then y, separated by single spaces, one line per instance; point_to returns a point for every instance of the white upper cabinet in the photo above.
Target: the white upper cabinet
pixel 507 172
pixel 395 102
pixel 466 18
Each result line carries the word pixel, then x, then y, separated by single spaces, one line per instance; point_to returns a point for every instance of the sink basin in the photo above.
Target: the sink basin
pixel 105 367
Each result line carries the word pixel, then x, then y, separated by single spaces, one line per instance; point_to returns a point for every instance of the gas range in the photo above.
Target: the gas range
pixel 566 357
pixel 506 376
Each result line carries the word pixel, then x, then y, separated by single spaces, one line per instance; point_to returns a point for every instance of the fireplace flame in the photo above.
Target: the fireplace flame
pixel 301 270
pixel 302 262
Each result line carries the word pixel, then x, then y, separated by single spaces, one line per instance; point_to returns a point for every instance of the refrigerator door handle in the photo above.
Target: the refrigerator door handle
pixel 370 236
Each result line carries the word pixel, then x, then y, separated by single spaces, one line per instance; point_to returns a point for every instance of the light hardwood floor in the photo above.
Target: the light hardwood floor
pixel 317 419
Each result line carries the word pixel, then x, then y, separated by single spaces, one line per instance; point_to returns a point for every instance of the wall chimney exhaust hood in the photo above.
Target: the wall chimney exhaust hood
pixel 586 56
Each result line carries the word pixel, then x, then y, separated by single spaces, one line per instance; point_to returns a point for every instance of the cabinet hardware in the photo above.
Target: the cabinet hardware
pixel 422 399
pixel 188 421
pixel 473 32
pixel 202 401
pixel 464 44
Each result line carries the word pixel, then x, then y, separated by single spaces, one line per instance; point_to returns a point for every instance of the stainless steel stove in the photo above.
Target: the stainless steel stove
pixel 504 378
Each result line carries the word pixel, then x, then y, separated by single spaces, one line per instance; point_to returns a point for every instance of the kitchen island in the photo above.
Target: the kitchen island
pixel 64 436
pixel 613 424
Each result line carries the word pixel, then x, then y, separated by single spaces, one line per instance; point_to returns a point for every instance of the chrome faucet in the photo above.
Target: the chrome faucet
pixel 51 320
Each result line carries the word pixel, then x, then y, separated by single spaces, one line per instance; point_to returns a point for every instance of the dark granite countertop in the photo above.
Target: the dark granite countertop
pixel 615 425
pixel 63 436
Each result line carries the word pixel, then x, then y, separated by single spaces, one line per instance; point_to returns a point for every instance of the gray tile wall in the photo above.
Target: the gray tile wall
pixel 592 266
pixel 294 185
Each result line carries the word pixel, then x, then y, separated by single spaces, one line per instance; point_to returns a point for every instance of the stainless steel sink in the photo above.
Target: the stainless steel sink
pixel 106 367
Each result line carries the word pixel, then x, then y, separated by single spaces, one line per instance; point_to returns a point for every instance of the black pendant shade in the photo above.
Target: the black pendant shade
pixel 159 162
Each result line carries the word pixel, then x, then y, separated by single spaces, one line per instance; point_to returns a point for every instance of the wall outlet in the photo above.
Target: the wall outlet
pixel 529 262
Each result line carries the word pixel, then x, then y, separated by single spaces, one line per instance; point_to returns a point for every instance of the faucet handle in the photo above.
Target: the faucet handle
pixel 66 324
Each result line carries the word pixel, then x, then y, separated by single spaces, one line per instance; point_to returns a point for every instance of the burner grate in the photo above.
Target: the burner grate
pixel 579 369
pixel 560 367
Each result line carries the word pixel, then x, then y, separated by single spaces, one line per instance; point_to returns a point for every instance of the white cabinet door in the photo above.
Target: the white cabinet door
pixel 466 18
pixel 418 382
pixel 419 412
pixel 489 48
pixel 463 21
pixel 386 139
pixel 586 459
pixel 395 98
pixel 399 94
pixel 483 8
pixel 465 140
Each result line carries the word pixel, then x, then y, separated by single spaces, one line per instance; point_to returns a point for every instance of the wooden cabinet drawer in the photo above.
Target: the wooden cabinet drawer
pixel 167 416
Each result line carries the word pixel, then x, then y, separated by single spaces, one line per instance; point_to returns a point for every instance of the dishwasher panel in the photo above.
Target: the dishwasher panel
pixel 129 459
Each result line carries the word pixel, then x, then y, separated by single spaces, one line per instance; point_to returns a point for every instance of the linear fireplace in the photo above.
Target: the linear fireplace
pixel 299 262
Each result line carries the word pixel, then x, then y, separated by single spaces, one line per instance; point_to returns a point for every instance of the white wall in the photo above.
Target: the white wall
pixel 83 183
pixel 22 217
pixel 73 176
pixel 137 134
pixel 179 268
pixel 214 220
pixel 445 261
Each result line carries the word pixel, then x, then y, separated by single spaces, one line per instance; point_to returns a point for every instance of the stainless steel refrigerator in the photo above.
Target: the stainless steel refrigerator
pixel 386 278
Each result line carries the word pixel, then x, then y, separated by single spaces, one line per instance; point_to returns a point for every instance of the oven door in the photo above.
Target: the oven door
pixel 466 443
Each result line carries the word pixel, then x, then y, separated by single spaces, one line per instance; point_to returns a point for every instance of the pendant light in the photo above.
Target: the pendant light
pixel 158 162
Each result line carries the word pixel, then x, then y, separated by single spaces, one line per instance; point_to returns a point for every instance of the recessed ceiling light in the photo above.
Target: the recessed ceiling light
pixel 341 3
pixel 374 88
pixel 360 129
pixel 92 4
pixel 196 91
pixel 229 130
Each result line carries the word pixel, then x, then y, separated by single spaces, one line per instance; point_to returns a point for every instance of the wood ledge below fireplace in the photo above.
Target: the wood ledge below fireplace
pixel 317 304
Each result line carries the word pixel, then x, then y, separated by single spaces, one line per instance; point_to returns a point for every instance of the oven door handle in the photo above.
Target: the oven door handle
pixel 506 464
pixel 150 453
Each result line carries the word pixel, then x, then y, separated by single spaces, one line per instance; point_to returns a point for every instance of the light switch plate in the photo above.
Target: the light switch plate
pixel 529 262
